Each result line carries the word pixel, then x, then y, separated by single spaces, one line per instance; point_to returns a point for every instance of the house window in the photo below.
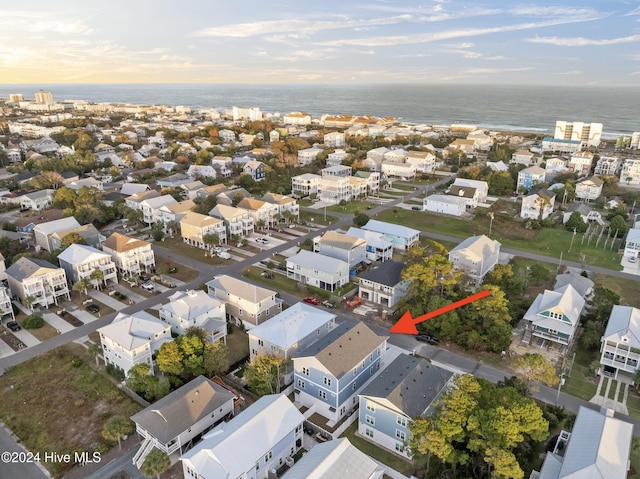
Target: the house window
pixel 401 421
pixel 399 447
pixel 300 384
pixel 353 386
pixel 268 456
pixel 370 420
pixel 260 342
pixel 240 312
pixel 368 432
pixel 370 406
pixel 322 394
pixel 400 435
pixel 305 371
pixel 327 381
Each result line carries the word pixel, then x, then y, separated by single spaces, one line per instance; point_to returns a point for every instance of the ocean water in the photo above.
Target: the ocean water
pixel 505 107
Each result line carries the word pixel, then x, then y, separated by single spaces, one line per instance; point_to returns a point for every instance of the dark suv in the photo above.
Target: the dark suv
pixel 425 338
pixel 13 326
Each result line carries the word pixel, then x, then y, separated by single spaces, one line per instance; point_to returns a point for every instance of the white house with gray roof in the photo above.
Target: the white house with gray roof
pixel 80 261
pixel 379 247
pixel 402 237
pixel 445 204
pixel 187 309
pixel 584 286
pixel 245 303
pixel 241 448
pixel 172 423
pixel 620 344
pixel 43 231
pixel 598 447
pixel 318 270
pixel 39 279
pixel 337 458
pixel 133 339
pixel 475 256
pixel 403 391
pixel 383 284
pixel 37 200
pixel 351 249
pixel 329 373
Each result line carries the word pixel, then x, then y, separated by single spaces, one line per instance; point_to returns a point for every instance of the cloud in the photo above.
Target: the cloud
pixel 635 11
pixel 41 22
pixel 553 11
pixel 582 42
pixel 484 71
pixel 448 34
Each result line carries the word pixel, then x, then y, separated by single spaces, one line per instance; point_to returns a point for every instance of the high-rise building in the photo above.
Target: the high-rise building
pixel 16 97
pixel 588 133
pixel 246 113
pixel 44 97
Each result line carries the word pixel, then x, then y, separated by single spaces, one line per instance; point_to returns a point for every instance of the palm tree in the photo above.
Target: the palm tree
pixel 155 463
pixel 542 203
pixel 211 239
pixel 94 350
pixel 97 276
pixel 28 301
pixel 81 286
pixel 260 224
pixel 172 226
pixel 116 428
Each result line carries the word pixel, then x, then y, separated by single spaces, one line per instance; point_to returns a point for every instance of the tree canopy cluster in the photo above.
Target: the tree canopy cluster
pixel 480 429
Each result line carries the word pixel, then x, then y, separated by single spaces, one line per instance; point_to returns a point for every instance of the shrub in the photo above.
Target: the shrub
pixel 76 362
pixel 115 371
pixel 33 322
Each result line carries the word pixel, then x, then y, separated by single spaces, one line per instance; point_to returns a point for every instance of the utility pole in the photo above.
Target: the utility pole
pixel 572 238
pixel 490 223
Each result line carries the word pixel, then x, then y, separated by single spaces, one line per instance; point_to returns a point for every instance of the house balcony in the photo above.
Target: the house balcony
pixel 551 337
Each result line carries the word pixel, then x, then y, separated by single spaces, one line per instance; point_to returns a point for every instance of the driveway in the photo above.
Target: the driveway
pixel 57 322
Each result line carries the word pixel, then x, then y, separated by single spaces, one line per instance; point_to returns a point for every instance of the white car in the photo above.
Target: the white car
pixel 633 259
pixel 262 240
pixel 148 286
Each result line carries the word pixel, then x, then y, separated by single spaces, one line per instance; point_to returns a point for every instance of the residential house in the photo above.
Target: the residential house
pixel 130 255
pixel 402 237
pixel 188 309
pixel 588 214
pixel 379 247
pixel 290 331
pixel 560 146
pixel 329 374
pixel 296 118
pixel 237 221
pixel 580 162
pixel 37 200
pixel 195 226
pixel 481 187
pixel 468 147
pixel 80 261
pixel 174 212
pixel 424 161
pixel 287 206
pixel 481 140
pixel 583 285
pixel 351 249
pixel 631 257
pixel 334 189
pixel 529 177
pixel 88 233
pixel 43 231
pixel 245 304
pixel 445 204
pixel 374 158
pixel 255 169
pixel 305 184
pixel 394 169
pixel 589 189
pixel 337 458
pixel 553 167
pixel 134 201
pixel 173 181
pixel 372 179
pixel 263 213
pixel 469 194
pixel 129 189
pixel 37 279
pixel 151 208
pixel 383 284
pixel 607 165
pixel 6 306
pixel 308 155
pixel 133 339
pixel 89 182
pixel 630 173
pixel 337 170
pixel 522 157
pixel 498 166
pixel 404 391
pixel 538 205
pixel 337 157
pixel 190 190
pixel 599 446
pixel 554 316
pixel 234 450
pixel 231 196
pixel 335 139
pixel 620 344
pixel 318 270
pixel 475 256
pixel 175 422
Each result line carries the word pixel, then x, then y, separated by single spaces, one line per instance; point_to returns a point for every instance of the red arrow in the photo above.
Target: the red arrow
pixel 407 325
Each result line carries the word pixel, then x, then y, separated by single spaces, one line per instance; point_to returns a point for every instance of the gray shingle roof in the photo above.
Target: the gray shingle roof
pixel 388 273
pixel 25 267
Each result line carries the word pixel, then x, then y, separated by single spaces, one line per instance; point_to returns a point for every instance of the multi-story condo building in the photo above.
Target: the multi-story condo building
pixel 151 208
pixel 38 279
pixel 296 118
pixel 80 261
pixel 131 255
pixel 335 139
pixel 195 226
pixel 334 189
pixel 588 134
pixel 580 162
pixel 263 213
pixel 607 165
pixel 305 184
pixel 630 174
pixel 236 220
pixel 246 113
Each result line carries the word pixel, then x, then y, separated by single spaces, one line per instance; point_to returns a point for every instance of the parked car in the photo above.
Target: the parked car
pixel 224 255
pixel 143 278
pixel 328 304
pixel 311 300
pixel 632 259
pixel 262 240
pixel 425 338
pixel 13 326
pixel 416 208
pixel 148 286
pixel 93 308
pixel 355 301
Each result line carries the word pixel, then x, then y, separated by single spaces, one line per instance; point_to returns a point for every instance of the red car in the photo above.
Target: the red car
pixel 311 300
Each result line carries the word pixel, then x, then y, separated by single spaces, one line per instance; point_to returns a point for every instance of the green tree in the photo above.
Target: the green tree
pixel 169 359
pixel 618 226
pixel 534 368
pixel 28 301
pixel 81 285
pixel 155 463
pixel 265 373
pixel 72 238
pixel 216 359
pixel 500 183
pixel 172 226
pixel 97 277
pixel 575 222
pixel 360 219
pixel 211 239
pixel 64 198
pixel 538 273
pixel 117 428
pixel 94 350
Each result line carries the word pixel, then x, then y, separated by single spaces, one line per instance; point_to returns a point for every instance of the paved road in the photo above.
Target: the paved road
pixel 20 468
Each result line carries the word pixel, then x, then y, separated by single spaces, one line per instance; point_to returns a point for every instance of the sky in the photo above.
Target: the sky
pixel 375 41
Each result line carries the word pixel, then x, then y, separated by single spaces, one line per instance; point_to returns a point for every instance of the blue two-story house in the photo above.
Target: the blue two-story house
pixel 329 374
pixel 405 390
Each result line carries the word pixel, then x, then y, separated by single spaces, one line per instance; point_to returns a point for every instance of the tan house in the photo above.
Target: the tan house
pixel 589 189
pixel 131 256
pixel 263 213
pixel 195 226
pixel 236 220
pixel 38 279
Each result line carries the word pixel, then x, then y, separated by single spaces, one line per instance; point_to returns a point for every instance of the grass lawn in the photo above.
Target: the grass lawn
pixel 350 208
pixel 628 290
pixel 278 283
pixel 45 332
pixel 510 232
pixel 176 245
pixel 582 383
pixel 633 404
pixel 39 397
pixel 391 460
pixel 317 217
pixel 237 345
pixel 182 273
